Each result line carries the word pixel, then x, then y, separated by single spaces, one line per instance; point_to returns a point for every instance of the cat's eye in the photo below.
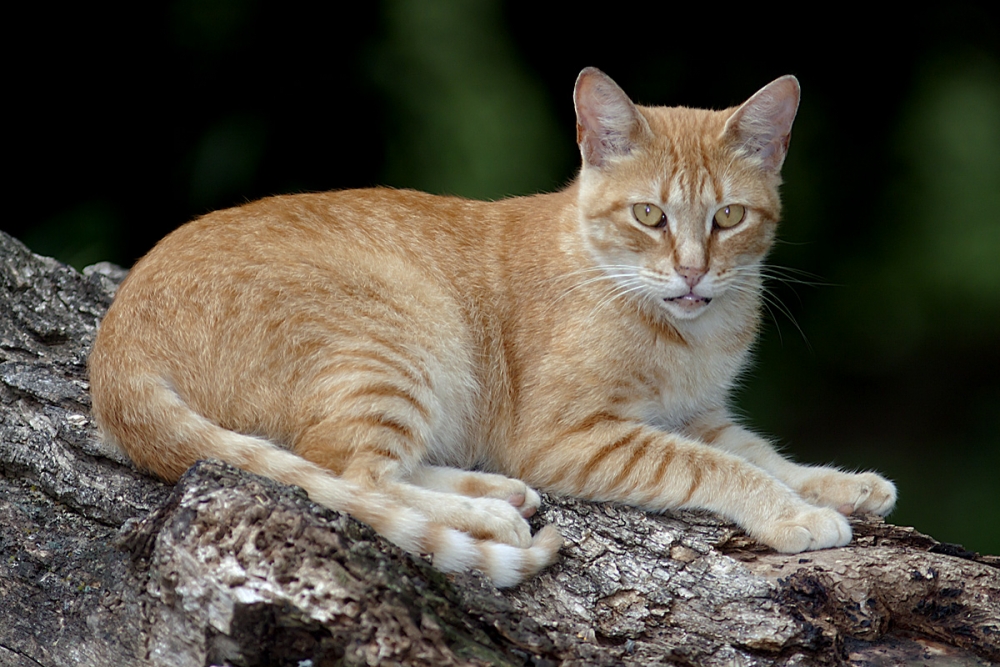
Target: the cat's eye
pixel 649 215
pixel 730 216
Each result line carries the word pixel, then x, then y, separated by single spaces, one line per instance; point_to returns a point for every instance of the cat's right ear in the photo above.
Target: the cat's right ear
pixel 607 123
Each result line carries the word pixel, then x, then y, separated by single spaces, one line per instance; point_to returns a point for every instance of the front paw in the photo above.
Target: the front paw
pixel 809 528
pixel 849 492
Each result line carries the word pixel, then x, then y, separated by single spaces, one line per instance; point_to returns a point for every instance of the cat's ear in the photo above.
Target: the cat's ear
pixel 761 128
pixel 607 123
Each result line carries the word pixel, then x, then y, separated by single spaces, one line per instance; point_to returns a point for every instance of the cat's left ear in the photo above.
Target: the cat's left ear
pixel 762 127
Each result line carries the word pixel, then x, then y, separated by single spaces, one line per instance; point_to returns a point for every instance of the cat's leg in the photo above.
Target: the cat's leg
pixel 634 463
pixel 380 404
pixel 167 424
pixel 460 532
pixel 475 484
pixel 820 485
pixel 386 447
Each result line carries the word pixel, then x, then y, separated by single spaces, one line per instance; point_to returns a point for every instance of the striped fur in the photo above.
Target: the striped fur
pixel 417 360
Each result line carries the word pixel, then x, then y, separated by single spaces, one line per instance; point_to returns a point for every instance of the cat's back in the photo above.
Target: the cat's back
pixel 308 227
pixel 243 310
pixel 323 231
pixel 254 272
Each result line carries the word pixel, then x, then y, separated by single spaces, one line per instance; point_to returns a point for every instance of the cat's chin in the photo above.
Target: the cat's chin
pixel 687 307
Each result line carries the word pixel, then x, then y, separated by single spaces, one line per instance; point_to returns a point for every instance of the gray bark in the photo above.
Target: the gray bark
pixel 102 565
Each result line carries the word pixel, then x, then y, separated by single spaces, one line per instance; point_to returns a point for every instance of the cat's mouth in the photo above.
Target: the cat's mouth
pixel 689 303
pixel 690 300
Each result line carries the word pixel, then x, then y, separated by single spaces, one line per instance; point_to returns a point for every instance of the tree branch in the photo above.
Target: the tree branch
pixel 102 565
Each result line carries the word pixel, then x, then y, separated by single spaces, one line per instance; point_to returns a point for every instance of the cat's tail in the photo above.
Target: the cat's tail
pixel 170 441
pixel 452 550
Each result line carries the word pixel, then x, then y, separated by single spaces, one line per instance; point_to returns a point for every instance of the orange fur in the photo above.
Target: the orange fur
pixel 370 345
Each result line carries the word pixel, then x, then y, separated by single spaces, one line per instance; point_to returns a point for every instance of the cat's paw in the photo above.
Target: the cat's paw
pixel 526 502
pixel 486 485
pixel 848 492
pixel 496 520
pixel 475 484
pixel 808 529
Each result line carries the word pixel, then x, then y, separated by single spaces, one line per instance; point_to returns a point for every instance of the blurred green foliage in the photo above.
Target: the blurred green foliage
pixel 892 184
pixel 900 373
pixel 465 116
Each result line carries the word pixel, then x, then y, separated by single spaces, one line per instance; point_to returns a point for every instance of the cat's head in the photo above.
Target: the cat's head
pixel 679 206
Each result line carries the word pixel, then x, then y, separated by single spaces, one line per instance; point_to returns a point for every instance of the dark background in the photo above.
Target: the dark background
pixel 883 353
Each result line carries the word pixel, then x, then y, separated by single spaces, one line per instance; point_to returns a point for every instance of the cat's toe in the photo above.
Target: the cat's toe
pixel 505 524
pixel 867 492
pixel 529 502
pixel 513 491
pixel 849 492
pixel 881 494
pixel 525 500
pixel 810 529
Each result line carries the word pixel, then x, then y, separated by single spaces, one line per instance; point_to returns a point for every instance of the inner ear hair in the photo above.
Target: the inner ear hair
pixel 762 126
pixel 608 124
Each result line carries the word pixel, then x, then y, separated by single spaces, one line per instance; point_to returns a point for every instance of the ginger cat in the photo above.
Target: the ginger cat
pixel 417 360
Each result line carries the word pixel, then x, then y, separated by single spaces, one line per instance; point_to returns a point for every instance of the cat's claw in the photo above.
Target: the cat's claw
pixel 810 529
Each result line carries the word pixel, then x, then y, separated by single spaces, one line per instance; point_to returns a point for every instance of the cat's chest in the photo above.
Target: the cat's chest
pixel 683 381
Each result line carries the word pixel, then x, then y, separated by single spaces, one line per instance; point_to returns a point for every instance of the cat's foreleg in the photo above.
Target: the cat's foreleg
pixel 476 484
pixel 634 463
pixel 825 486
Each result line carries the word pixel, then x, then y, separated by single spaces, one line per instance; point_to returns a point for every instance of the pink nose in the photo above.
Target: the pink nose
pixel 691 275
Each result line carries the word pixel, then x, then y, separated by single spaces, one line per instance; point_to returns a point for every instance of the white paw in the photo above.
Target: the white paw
pixel 497 521
pixel 849 492
pixel 879 494
pixel 474 484
pixel 809 529
pixel 526 501
pixel 513 491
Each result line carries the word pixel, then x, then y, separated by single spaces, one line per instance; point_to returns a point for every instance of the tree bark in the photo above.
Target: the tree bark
pixel 102 565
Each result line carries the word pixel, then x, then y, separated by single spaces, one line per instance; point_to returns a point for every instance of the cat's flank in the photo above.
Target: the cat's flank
pixel 423 362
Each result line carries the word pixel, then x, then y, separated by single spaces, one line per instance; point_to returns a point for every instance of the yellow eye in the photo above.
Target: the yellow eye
pixel 730 216
pixel 649 215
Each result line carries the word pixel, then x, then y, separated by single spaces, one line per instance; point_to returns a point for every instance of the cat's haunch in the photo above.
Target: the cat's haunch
pixel 419 361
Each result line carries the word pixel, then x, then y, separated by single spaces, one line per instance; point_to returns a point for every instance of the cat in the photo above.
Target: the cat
pixel 425 362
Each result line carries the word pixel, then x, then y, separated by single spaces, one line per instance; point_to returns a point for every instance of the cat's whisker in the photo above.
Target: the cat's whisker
pixel 771 272
pixel 766 302
pixel 596 268
pixel 621 290
pixel 613 279
pixel 613 297
pixel 794 276
pixel 605 273
pixel 770 299
pixel 598 272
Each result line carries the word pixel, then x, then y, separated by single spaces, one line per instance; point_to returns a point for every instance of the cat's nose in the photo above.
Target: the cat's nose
pixel 691 274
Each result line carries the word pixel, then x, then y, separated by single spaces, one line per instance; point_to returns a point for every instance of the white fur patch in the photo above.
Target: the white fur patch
pixel 506 564
pixel 456 553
